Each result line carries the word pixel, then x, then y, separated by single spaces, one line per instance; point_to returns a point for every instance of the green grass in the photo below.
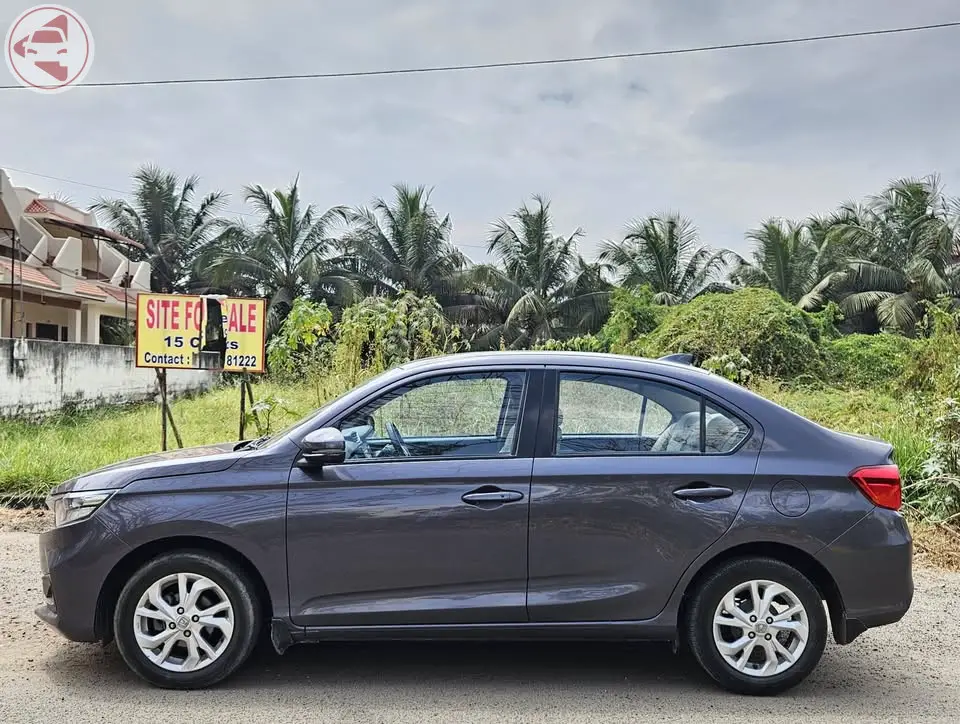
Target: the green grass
pixel 34 457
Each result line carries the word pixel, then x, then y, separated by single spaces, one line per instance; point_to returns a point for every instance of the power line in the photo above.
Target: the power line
pixel 513 63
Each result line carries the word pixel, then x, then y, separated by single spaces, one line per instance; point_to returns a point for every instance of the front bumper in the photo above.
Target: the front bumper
pixel 872 566
pixel 74 564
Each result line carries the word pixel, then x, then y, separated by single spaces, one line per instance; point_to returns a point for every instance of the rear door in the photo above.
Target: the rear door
pixel 634 477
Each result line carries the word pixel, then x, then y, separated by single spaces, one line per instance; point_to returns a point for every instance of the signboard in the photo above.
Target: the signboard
pixel 173 329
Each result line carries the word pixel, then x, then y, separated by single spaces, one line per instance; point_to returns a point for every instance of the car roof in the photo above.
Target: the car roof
pixel 602 360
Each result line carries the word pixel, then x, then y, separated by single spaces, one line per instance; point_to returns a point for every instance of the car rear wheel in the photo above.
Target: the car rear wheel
pixel 757 626
pixel 186 620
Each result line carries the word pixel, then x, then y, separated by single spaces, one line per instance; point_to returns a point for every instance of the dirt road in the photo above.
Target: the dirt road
pixel 907 672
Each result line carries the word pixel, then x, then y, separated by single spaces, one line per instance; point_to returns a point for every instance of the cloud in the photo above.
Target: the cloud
pixel 727 138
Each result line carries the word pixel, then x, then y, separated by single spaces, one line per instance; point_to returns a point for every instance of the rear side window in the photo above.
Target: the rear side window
pixel 722 431
pixel 609 414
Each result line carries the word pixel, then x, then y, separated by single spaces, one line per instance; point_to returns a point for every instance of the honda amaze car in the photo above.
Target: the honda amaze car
pixel 535 495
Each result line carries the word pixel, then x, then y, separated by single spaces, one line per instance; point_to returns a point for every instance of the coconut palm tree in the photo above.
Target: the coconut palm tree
pixel 664 252
pixel 903 243
pixel 403 245
pixel 285 256
pixel 540 288
pixel 163 217
pixel 785 258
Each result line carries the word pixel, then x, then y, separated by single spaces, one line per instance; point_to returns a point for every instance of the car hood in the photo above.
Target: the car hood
pixel 188 461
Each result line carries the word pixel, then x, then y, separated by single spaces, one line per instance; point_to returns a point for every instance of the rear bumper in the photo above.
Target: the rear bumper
pixel 872 566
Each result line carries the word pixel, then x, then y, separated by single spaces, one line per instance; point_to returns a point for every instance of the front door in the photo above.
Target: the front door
pixel 426 520
pixel 634 478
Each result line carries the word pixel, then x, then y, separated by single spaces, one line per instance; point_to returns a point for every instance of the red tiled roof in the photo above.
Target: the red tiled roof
pixel 31 275
pixel 36 207
pixel 118 293
pixel 89 290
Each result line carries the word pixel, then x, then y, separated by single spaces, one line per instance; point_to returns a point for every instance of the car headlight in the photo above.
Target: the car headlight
pixel 72 507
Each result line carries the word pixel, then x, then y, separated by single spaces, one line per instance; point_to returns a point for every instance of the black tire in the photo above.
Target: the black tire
pixel 706 599
pixel 238 589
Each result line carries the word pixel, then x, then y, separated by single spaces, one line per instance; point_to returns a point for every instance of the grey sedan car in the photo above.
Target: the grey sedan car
pixel 536 495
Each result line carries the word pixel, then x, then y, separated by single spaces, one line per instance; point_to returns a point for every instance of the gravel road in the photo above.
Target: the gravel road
pixel 907 672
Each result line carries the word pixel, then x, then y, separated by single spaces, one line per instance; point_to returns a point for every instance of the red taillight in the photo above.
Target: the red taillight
pixel 880 483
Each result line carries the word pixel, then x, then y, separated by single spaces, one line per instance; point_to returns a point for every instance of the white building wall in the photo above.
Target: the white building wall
pixel 49 314
pixel 58 375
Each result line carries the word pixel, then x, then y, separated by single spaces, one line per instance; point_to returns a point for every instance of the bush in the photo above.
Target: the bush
pixel 937 495
pixel 780 341
pixel 633 313
pixel 933 370
pixel 586 343
pixel 869 360
pixel 299 349
pixel 380 333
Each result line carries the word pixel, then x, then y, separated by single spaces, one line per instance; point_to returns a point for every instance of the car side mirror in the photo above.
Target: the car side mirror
pixel 325 446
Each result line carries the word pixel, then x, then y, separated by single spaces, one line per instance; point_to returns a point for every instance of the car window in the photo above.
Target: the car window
pixel 656 418
pixel 463 415
pixel 724 432
pixel 612 414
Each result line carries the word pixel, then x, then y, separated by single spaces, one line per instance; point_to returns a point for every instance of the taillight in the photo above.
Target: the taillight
pixel 880 483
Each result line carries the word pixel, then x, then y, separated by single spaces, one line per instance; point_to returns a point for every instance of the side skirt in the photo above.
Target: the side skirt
pixel 283 635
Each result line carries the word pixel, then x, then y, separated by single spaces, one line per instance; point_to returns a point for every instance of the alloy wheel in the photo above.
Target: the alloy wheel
pixel 760 628
pixel 183 622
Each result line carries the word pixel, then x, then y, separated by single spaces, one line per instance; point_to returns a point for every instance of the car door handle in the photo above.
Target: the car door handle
pixel 491 496
pixel 706 492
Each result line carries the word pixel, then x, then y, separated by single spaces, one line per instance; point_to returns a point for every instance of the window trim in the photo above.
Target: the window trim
pixel 551 396
pixel 527 414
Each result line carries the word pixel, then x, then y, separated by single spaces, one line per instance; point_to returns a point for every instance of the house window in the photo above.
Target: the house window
pixel 47 331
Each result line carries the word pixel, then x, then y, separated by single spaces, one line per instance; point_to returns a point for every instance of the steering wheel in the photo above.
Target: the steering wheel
pixel 397 440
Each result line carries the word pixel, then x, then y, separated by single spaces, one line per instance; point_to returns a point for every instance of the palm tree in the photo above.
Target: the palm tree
pixel 162 216
pixel 285 256
pixel 540 288
pixel 786 258
pixel 903 244
pixel 664 252
pixel 403 245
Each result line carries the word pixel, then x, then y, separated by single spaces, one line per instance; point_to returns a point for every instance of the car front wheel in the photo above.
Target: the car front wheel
pixel 186 620
pixel 757 626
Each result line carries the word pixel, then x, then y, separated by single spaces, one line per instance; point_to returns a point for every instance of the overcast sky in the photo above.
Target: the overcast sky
pixel 726 138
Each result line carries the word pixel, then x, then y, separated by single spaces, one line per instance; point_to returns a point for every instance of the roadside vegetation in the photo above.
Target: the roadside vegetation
pixel 849 318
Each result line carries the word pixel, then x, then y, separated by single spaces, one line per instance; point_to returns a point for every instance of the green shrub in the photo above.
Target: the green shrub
pixel 823 324
pixel 933 370
pixel 379 333
pixel 869 360
pixel 300 347
pixel 937 494
pixel 632 313
pixel 780 340
pixel 734 367
pixel 586 343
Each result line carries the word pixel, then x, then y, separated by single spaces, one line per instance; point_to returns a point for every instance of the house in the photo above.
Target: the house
pixel 61 274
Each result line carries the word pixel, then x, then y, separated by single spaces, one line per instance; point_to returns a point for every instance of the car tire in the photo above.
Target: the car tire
pixel 733 584
pixel 212 637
